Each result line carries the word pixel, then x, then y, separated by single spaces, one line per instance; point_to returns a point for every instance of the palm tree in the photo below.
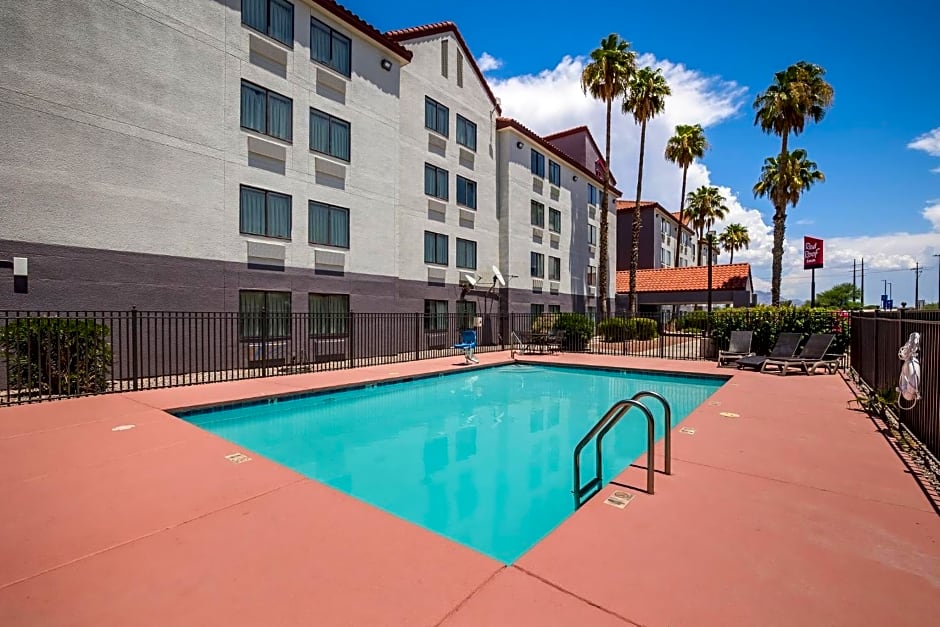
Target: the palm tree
pixel 783 179
pixel 645 100
pixel 796 95
pixel 734 237
pixel 683 148
pixel 706 206
pixel 607 77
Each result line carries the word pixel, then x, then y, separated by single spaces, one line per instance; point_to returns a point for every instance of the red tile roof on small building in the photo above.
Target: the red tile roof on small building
pixel 438 28
pixel 502 123
pixel 350 18
pixel 735 276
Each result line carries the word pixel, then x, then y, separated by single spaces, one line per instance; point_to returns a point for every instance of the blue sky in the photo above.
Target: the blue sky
pixel 880 57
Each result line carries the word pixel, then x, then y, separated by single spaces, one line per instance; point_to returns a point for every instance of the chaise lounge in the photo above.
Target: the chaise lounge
pixel 785 347
pixel 738 347
pixel 812 356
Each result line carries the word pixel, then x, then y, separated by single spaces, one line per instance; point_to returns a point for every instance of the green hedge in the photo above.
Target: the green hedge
pixel 613 329
pixel 769 322
pixel 578 330
pixel 57 355
pixel 622 329
pixel 692 321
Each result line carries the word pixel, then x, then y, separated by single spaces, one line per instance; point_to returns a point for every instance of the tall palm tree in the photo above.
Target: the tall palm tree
pixel 797 94
pixel 645 100
pixel 783 179
pixel 734 237
pixel 607 77
pixel 706 206
pixel 683 148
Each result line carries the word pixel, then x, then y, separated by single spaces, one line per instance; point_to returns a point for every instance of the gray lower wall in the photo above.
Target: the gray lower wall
pixel 67 278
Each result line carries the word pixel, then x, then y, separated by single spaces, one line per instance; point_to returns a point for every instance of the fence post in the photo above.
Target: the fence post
pixel 352 339
pixel 417 336
pixel 135 375
pixel 662 336
pixel 874 380
pixel 264 341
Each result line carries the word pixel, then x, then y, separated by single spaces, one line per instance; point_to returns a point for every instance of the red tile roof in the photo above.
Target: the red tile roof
pixel 502 123
pixel 426 30
pixel 575 131
pixel 687 217
pixel 734 276
pixel 630 205
pixel 347 16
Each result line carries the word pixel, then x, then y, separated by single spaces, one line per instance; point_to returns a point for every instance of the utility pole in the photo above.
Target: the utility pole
pixel 938 279
pixel 854 285
pixel 917 272
pixel 863 283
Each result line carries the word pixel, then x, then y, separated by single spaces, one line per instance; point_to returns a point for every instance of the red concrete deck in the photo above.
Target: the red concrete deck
pixel 796 513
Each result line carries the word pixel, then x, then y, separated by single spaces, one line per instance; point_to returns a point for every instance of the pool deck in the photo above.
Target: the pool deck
pixel 797 512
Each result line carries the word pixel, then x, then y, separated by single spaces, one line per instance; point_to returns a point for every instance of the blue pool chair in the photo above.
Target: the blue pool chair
pixel 468 342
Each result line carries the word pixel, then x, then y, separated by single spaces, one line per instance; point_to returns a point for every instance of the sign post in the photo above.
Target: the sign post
pixel 812 259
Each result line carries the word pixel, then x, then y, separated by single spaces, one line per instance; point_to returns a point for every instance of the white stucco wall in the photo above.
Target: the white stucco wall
pixel 420 78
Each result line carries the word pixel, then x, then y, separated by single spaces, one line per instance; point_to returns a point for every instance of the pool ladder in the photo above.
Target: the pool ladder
pixel 607 422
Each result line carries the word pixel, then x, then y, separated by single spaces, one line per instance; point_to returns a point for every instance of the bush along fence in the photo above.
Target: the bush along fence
pixel 876 338
pixel 45 355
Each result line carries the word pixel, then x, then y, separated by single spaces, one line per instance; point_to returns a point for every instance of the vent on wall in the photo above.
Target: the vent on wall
pixel 444 58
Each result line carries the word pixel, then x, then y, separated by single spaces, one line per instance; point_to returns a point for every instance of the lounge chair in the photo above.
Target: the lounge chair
pixel 785 346
pixel 738 347
pixel 468 343
pixel 810 358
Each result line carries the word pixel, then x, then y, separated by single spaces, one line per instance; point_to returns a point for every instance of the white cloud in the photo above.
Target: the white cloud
pixel 488 62
pixel 552 100
pixel 936 170
pixel 805 222
pixel 929 142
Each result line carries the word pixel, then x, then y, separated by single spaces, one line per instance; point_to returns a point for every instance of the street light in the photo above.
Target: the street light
pixel 710 238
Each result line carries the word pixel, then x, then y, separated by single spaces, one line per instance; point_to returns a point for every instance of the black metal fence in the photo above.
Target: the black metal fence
pixel 46 355
pixel 876 338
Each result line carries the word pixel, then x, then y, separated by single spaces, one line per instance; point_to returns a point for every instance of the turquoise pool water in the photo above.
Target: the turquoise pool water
pixel 483 457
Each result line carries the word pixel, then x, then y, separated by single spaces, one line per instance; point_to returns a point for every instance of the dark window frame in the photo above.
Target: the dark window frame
pixel 554 173
pixel 465 242
pixel 533 205
pixel 339 320
pixel 554 261
pixel 552 213
pixel 269 321
pixel 267 193
pixel 536 270
pixel 593 195
pixel 267 112
pixel 331 119
pixel 466 182
pixel 436 193
pixel 438 108
pixel 436 321
pixel 473 126
pixel 311 204
pixel 333 34
pixel 537 163
pixel 268 23
pixel 592 235
pixel 435 256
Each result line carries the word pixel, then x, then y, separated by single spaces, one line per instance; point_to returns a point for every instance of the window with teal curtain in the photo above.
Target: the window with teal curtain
pixel 282 22
pixel 435 248
pixel 466 133
pixel 329 314
pixel 280 116
pixel 263 315
pixel 554 269
pixel 252 211
pixel 436 116
pixel 435 315
pixel 339 139
pixel 329 135
pixel 435 181
pixel 278 314
pixel 554 173
pixel 329 225
pixel 255 14
pixel 466 254
pixel 279 215
pixel 330 47
pixel 253 107
pixel 537 264
pixel 466 192
pixel 466 312
pixel 537 211
pixel 554 220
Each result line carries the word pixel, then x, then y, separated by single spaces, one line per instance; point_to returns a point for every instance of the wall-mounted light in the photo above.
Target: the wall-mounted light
pixel 519 145
pixel 574 178
pixel 386 65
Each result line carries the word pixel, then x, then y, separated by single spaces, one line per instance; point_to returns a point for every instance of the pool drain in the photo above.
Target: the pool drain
pixel 238 458
pixel 619 499
pixel 687 430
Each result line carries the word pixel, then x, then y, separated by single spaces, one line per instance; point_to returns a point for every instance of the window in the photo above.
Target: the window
pixel 665 257
pixel 329 135
pixel 435 182
pixel 263 315
pixel 330 47
pixel 554 220
pixel 538 163
pixel 459 70
pixel 435 315
pixel 466 312
pixel 592 275
pixel 435 248
pixel 444 58
pixel 536 310
pixel 592 235
pixel 554 268
pixel 554 310
pixel 592 195
pixel 592 312
pixel 665 227
pixel 436 116
pixel 466 254
pixel 537 263
pixel 466 192
pixel 466 133
pixel 274 18
pixel 554 173
pixel 329 314
pixel 261 212
pixel 329 225
pixel 267 112
pixel 538 214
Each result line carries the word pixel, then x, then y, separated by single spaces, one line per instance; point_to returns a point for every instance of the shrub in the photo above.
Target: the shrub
pixel 578 330
pixel 543 323
pixel 692 321
pixel 645 329
pixel 769 322
pixel 613 329
pixel 57 355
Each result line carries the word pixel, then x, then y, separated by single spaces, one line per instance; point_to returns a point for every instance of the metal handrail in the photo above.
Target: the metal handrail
pixel 667 428
pixel 513 338
pixel 600 429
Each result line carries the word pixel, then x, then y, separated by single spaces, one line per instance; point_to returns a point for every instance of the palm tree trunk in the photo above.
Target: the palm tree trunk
pixel 780 227
pixel 731 261
pixel 637 223
pixel 602 271
pixel 685 172
pixel 701 234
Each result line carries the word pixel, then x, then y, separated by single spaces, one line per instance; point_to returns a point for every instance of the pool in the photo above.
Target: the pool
pixel 483 457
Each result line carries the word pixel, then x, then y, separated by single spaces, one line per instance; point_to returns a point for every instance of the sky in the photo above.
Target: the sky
pixel 879 145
